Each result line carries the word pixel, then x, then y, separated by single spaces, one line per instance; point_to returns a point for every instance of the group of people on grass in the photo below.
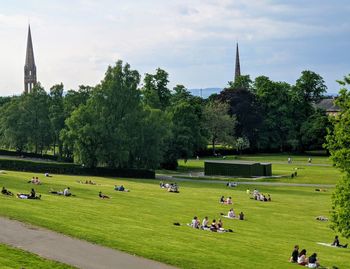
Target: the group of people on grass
pixel 215 226
pixel 171 187
pixel 87 182
pixel 232 215
pixel 231 184
pixel 31 195
pixel 302 259
pixel 225 201
pixel 35 180
pixel 258 196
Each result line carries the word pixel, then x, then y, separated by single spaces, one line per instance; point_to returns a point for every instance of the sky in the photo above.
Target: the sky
pixel 193 40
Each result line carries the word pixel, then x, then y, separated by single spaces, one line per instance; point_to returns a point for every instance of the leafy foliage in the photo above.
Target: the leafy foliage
pixel 338 144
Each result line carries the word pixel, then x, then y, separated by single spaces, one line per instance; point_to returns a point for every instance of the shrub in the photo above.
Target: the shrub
pixel 72 169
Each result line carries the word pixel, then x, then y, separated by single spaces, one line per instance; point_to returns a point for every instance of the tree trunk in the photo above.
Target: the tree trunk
pixel 213 144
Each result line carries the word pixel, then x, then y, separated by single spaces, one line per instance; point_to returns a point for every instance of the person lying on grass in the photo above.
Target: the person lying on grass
pixel 336 243
pixel 32 195
pixel 102 196
pixel 173 188
pixel 35 180
pixel 120 188
pixel 4 191
pixel 65 192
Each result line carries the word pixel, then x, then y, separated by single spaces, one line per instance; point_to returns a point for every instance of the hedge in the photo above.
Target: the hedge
pixel 34 155
pixel 72 169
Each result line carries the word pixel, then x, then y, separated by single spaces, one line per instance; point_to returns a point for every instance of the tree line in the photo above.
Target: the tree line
pixel 122 123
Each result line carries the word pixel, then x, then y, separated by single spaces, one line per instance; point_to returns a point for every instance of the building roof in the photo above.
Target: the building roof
pixel 328 105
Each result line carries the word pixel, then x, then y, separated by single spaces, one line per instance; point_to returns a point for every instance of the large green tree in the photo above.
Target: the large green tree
pixel 219 124
pixel 338 144
pixel 56 115
pixel 113 128
pixel 276 108
pixel 155 91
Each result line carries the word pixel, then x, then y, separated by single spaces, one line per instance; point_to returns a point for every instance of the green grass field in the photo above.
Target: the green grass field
pixel 12 258
pixel 141 221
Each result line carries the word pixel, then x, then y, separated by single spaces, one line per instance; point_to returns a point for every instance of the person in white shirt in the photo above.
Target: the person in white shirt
pixel 195 223
pixel 205 223
pixel 231 214
pixel 66 192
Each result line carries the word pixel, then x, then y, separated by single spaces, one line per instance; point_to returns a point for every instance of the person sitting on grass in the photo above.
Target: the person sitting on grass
pixel 205 223
pixel 32 195
pixel 102 196
pixel 228 201
pixel 222 200
pixel 213 226
pixel 195 223
pixel 220 225
pixel 313 262
pixel 241 216
pixel 295 254
pixel 35 180
pixel 4 191
pixel 302 259
pixel 336 243
pixel 231 214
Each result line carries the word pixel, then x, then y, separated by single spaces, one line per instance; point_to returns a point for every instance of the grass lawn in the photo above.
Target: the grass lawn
pixel 141 221
pixel 12 258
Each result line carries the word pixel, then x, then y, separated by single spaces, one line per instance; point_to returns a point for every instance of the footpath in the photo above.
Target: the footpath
pixel 64 249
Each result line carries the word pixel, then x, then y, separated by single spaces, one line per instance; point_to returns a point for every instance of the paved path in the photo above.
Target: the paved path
pixel 257 183
pixel 78 253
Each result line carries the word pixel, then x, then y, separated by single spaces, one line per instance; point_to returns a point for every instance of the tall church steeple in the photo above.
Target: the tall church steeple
pixel 29 67
pixel 238 66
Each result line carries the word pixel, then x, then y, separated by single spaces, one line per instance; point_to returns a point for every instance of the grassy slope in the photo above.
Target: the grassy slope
pixel 12 258
pixel 140 221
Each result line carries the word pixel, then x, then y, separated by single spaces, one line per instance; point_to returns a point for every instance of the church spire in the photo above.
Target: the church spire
pixel 29 67
pixel 238 66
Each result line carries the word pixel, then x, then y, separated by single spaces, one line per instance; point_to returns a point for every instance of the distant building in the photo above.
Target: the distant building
pixel 29 67
pixel 329 106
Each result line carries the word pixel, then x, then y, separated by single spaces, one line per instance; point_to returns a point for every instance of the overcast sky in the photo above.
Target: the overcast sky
pixel 193 40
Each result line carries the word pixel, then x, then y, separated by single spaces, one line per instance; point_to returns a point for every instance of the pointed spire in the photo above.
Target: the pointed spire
pixel 29 67
pixel 238 66
pixel 29 53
